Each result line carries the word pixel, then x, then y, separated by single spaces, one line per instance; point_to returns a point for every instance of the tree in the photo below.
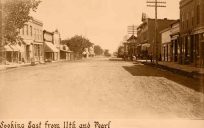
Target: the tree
pixel 98 50
pixel 106 53
pixel 121 51
pixel 16 14
pixel 77 44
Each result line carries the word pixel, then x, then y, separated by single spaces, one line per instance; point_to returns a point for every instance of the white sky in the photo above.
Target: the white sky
pixel 104 22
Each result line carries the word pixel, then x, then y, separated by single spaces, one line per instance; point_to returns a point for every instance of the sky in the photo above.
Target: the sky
pixel 103 22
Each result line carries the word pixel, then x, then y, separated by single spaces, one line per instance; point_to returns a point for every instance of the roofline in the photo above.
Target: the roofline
pixel 45 31
pixel 164 19
pixel 36 21
pixel 165 30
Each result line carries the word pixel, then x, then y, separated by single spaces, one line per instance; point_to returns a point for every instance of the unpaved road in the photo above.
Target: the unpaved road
pixel 98 88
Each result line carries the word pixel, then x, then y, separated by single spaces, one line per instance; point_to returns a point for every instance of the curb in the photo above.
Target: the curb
pixel 193 74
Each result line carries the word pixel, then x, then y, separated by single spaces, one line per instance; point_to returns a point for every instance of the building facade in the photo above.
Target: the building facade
pixel 146 38
pixel 166 45
pixel 130 47
pixel 32 35
pixel 56 42
pixel 175 41
pixel 50 50
pixel 192 32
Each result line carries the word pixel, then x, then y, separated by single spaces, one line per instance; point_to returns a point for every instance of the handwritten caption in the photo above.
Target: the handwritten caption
pixel 49 124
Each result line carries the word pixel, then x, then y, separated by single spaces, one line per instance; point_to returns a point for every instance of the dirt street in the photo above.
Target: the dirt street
pixel 98 88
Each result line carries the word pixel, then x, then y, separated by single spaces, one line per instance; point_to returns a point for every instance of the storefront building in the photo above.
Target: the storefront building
pixel 32 44
pixel 192 32
pixel 50 50
pixel 65 53
pixel 166 45
pixel 146 38
pixel 175 41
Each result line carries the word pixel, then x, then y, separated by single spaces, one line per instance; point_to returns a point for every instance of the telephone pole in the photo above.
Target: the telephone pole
pixel 132 29
pixel 156 4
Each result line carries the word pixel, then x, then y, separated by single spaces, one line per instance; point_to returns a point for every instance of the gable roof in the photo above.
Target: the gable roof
pixel 133 37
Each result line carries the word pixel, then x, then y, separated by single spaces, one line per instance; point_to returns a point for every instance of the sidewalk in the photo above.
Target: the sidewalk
pixel 15 65
pixel 187 70
pixel 5 67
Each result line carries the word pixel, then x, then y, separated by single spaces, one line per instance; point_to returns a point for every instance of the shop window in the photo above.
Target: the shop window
pixel 31 30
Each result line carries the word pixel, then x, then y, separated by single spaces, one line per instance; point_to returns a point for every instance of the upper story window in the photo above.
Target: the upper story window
pixel 22 31
pixel 27 29
pixel 31 30
pixel 198 14
pixel 35 35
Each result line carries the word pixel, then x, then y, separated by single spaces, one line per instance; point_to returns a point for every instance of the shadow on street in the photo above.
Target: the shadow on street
pixel 144 70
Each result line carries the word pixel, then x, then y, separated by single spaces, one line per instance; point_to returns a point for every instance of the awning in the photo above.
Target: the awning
pixel 49 47
pixel 20 49
pixel 28 42
pixel 8 48
pixel 14 48
pixel 138 45
pixel 175 37
pixel 63 50
pixel 145 46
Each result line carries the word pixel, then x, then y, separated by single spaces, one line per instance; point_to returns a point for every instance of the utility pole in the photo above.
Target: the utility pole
pixel 1 33
pixel 132 30
pixel 156 4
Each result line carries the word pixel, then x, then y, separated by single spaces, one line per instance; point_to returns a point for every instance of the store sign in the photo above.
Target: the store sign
pixel 48 37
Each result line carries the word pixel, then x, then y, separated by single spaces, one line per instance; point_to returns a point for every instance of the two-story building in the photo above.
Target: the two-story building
pixel 32 35
pixel 132 42
pixel 192 32
pixel 146 38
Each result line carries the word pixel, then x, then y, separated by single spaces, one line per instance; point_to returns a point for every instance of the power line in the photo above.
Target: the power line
pixel 132 29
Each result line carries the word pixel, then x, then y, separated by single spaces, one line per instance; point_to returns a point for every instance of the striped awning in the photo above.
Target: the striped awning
pixel 14 48
pixel 8 48
pixel 20 48
pixel 49 47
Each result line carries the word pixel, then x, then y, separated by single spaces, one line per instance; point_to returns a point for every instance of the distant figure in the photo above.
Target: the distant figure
pixel 134 58
pixel 150 57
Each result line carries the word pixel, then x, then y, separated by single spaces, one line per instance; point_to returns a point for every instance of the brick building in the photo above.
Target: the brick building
pixel 192 32
pixel 146 37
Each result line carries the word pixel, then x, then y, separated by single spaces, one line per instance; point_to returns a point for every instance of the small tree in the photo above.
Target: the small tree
pixel 16 14
pixel 121 51
pixel 106 53
pixel 77 44
pixel 98 50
